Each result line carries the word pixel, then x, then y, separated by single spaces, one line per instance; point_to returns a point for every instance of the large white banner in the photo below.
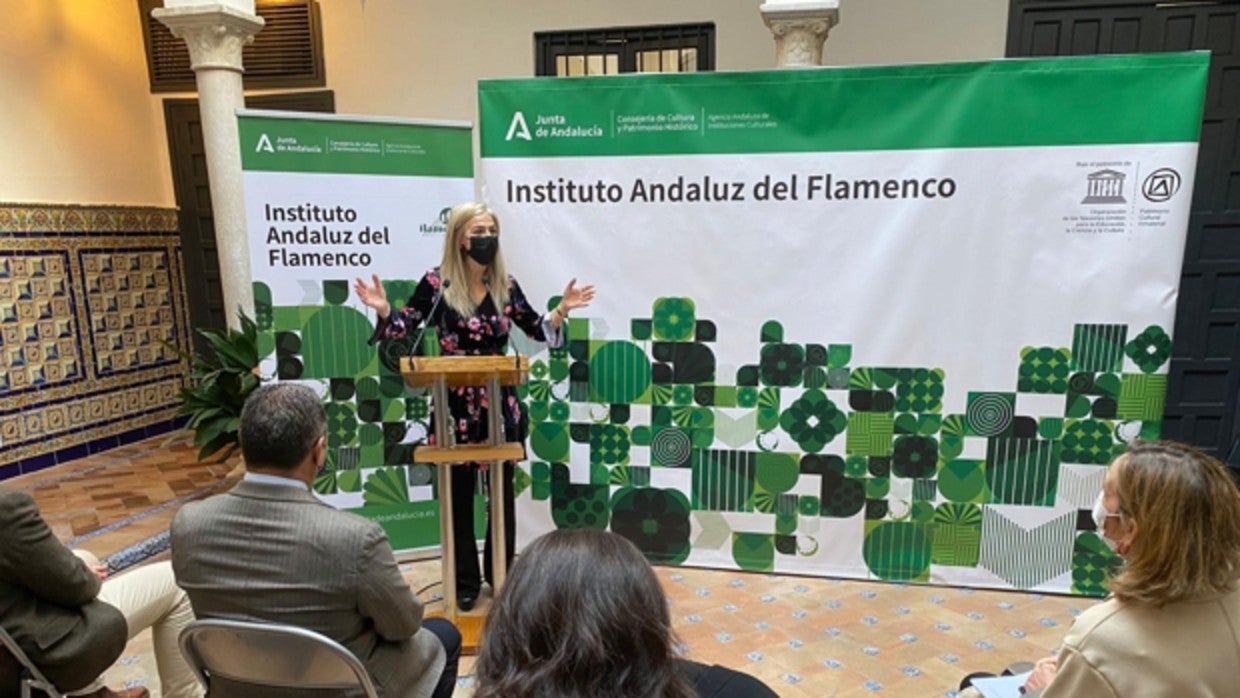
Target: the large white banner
pixel 879 322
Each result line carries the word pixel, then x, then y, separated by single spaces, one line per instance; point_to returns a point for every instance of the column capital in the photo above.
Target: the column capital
pixel 215 33
pixel 800 29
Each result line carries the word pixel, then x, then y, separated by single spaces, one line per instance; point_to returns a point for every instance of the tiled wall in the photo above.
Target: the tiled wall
pixel 86 295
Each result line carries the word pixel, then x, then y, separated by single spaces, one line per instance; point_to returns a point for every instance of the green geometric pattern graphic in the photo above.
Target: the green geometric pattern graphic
pixel 1099 347
pixel 813 421
pixel 957 535
pixel 1044 370
pixel 1150 349
pixel 898 552
pixel 797 444
pixel 919 390
pixel 1092 563
pixel 723 480
pixel 1022 471
pixel 1142 397
pixel 990 414
pixel 673 319
pixel 619 372
pixel 1089 441
pixel 870 433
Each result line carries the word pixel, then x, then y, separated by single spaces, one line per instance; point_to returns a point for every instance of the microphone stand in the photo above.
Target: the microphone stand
pixel 439 392
pixel 426 322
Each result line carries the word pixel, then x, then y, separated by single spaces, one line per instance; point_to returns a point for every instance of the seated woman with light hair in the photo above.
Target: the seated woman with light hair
pixel 1171 626
pixel 582 615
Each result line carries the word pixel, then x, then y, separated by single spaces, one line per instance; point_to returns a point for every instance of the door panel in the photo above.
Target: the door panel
pixel 1204 377
pixel 193 197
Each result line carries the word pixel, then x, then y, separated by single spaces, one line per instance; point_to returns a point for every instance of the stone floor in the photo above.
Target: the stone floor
pixel 804 636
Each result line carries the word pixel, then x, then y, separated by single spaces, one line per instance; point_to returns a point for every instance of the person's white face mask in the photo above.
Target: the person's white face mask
pixel 1100 518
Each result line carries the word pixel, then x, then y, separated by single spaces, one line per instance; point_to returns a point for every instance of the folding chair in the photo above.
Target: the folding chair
pixel 271 655
pixel 31 677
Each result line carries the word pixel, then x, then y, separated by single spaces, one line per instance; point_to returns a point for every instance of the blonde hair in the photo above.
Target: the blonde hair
pixel 453 269
pixel 1186 508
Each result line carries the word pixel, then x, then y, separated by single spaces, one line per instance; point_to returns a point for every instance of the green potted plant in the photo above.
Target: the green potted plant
pixel 220 381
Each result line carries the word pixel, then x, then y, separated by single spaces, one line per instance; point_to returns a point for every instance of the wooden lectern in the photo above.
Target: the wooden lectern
pixel 440 373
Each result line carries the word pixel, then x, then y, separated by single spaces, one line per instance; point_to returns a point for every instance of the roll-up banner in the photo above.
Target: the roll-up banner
pixel 329 199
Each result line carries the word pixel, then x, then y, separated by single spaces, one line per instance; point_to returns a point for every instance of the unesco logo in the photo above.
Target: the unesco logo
pixel 1105 187
pixel 1160 185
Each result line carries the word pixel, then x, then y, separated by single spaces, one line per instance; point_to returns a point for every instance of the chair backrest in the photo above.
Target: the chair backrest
pixel 31 676
pixel 271 654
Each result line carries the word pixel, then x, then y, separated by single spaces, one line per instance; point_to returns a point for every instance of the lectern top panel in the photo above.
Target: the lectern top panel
pixel 459 371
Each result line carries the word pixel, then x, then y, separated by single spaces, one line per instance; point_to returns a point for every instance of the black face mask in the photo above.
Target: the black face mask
pixel 483 248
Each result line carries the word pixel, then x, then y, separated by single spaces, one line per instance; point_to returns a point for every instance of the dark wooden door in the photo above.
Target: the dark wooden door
pixel 193 196
pixel 1205 367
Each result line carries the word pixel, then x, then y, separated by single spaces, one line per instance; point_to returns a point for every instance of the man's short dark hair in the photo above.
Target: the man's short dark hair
pixel 279 425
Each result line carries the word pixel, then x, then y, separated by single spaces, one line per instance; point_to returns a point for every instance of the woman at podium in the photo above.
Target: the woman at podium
pixel 472 302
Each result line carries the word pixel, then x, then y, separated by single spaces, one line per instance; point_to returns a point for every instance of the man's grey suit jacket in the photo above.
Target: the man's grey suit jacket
pixel 274 553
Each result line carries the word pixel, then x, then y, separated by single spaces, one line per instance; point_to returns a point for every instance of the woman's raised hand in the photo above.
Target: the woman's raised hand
pixel 373 296
pixel 576 296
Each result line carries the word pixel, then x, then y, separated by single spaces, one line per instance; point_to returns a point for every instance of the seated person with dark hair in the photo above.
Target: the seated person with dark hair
pixel 583 615
pixel 270 551
pixel 70 621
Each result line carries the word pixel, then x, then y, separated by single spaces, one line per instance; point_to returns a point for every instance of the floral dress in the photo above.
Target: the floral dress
pixel 485 333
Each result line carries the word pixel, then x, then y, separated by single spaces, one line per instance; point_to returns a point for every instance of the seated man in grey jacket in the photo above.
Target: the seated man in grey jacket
pixel 268 550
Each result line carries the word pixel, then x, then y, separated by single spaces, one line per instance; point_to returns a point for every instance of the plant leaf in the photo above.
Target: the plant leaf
pixel 220 381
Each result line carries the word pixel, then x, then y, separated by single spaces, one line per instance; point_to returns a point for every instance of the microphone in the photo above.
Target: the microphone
pixel 426 323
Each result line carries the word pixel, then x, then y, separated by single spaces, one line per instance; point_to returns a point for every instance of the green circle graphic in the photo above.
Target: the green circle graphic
pixel 619 373
pixel 897 551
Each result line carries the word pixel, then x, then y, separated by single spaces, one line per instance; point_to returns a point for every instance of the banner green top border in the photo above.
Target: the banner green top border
pixel 325 143
pixel 350 118
pixel 1110 99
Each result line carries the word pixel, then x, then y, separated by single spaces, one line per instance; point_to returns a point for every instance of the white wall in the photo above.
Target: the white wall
pixel 421 59
pixel 424 59
pixel 884 32
pixel 78 123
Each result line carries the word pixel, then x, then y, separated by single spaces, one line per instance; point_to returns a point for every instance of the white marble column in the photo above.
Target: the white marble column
pixel 215 33
pixel 800 28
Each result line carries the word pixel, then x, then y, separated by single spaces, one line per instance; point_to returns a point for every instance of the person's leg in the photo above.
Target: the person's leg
pixel 510 526
pixel 450 638
pixel 149 597
pixel 96 686
pixel 468 579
